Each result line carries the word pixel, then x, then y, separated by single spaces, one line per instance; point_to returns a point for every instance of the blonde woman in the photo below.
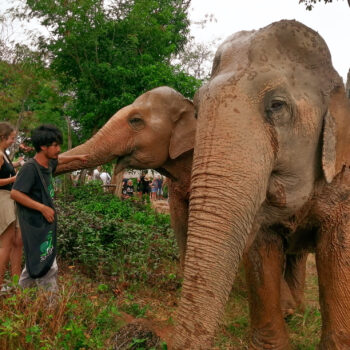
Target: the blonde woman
pixel 10 235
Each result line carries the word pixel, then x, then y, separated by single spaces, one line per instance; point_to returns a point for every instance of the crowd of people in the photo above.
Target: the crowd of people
pixel 145 186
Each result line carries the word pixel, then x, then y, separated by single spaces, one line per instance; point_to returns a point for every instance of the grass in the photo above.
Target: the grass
pixel 304 328
pixel 90 312
pixel 85 316
pixel 118 268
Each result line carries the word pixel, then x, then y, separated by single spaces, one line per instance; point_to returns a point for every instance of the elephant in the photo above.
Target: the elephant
pixel 270 176
pixel 165 143
pixel 156 131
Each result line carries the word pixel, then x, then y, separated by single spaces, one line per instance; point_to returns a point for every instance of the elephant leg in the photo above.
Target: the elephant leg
pixel 332 259
pixel 294 275
pixel 288 304
pixel 178 208
pixel 263 263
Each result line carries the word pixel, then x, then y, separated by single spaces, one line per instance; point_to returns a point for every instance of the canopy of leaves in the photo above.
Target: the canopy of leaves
pixel 107 56
pixel 309 4
pixel 29 94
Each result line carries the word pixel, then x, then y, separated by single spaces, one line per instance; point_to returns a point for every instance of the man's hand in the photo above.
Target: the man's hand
pixel 48 213
pixel 24 199
pixel 84 158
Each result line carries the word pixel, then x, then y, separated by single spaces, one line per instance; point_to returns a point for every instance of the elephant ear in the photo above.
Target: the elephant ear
pixel 183 134
pixel 336 135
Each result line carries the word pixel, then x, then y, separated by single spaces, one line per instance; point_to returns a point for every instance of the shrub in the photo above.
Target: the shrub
pixel 110 236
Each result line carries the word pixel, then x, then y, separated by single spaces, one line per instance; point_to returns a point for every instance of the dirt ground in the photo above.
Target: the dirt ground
pixel 233 333
pixel 160 206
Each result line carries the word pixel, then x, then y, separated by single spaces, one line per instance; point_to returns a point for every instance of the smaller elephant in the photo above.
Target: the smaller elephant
pixel 157 131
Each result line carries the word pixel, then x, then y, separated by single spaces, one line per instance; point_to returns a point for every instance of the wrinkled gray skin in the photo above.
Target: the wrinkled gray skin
pixel 270 175
pixel 156 131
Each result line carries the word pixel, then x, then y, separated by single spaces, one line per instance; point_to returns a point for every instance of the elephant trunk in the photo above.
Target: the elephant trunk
pixel 108 143
pixel 230 176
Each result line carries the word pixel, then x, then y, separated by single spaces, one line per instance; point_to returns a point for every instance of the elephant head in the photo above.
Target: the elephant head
pixel 273 122
pixel 158 126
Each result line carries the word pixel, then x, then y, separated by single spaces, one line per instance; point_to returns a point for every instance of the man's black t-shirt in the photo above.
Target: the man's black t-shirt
pixel 28 180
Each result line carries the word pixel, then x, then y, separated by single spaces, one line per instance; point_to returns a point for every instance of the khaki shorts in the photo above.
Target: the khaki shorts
pixel 7 211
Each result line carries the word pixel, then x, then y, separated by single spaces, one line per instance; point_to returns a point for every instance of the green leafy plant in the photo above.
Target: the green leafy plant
pixel 110 236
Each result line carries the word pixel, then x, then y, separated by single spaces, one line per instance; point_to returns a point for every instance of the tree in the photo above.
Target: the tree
pixel 196 58
pixel 29 94
pixel 309 4
pixel 107 56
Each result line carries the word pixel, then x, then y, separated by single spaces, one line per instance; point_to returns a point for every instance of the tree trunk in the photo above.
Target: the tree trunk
pixel 82 177
pixel 14 147
pixel 67 182
pixel 117 180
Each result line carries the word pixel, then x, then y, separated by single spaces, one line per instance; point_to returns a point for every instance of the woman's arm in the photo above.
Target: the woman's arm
pixel 9 180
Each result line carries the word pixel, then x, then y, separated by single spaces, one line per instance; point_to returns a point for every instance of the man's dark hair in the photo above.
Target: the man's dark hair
pixel 45 135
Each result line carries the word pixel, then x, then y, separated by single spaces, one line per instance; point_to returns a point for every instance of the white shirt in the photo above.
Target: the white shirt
pixel 96 175
pixel 106 178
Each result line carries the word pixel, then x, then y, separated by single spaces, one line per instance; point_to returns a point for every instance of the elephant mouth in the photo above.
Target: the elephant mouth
pixel 121 163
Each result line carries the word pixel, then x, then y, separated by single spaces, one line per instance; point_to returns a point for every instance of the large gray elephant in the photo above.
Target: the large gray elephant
pixel 164 140
pixel 270 175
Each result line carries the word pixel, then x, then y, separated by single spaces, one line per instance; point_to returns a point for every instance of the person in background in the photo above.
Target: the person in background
pixel 106 180
pixel 128 191
pixel 146 185
pixel 159 180
pixel 10 236
pixel 154 189
pixel 96 174
pixel 27 191
pixel 105 177
pixel 139 188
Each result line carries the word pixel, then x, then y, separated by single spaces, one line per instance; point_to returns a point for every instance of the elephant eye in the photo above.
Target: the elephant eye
pixel 276 105
pixel 136 123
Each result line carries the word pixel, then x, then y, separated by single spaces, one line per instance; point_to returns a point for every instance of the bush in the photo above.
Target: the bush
pixel 110 236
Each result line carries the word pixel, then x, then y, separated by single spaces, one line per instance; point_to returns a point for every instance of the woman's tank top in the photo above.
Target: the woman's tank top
pixel 7 170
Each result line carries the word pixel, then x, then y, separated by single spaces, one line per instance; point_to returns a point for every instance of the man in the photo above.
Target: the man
pixel 105 177
pixel 106 180
pixel 96 174
pixel 27 190
pixel 159 181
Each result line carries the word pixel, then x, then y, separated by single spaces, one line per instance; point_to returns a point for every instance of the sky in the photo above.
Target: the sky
pixel 331 21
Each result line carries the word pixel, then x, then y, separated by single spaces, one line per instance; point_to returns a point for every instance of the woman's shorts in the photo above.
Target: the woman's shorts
pixel 7 210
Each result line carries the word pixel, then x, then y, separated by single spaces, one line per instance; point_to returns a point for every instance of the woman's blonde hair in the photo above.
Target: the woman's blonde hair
pixel 5 130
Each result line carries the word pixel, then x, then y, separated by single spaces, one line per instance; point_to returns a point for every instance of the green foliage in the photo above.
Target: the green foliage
pixel 135 310
pixel 30 96
pixel 107 235
pixel 74 322
pixel 107 56
pixel 309 4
